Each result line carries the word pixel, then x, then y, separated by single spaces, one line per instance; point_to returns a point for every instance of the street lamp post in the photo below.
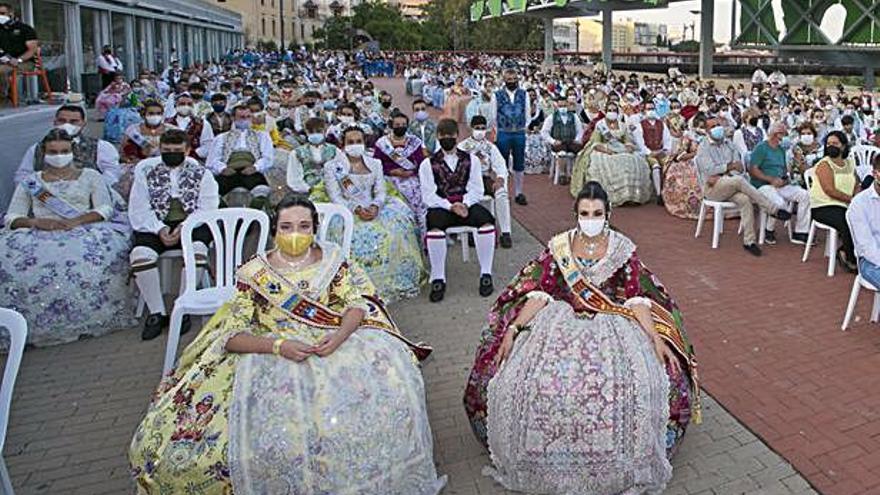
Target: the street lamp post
pixel 577 36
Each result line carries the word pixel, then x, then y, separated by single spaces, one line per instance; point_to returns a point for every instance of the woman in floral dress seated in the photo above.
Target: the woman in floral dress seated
pixel 300 384
pixel 584 381
pixel 63 265
pixel 386 239
pixel 611 158
pixel 112 96
pixel 682 191
pixel 141 141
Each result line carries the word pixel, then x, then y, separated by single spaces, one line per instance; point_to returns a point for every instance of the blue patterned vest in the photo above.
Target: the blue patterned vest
pixel 511 114
pixel 451 185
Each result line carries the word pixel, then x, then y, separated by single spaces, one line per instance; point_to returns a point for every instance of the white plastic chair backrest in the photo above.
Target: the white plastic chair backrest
pixel 809 177
pixel 16 325
pixel 326 212
pixel 864 155
pixel 229 227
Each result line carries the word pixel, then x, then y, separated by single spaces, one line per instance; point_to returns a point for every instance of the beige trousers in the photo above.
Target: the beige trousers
pixel 737 189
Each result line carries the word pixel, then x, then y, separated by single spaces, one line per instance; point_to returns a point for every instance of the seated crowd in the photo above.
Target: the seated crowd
pixel 282 134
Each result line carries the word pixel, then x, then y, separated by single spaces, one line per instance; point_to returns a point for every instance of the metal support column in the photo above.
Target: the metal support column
pixel 74 47
pixel 607 37
pixel 707 40
pixel 165 34
pixel 548 40
pixel 128 65
pixel 870 78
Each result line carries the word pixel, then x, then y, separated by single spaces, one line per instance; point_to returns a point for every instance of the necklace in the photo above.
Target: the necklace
pixel 592 247
pixel 296 264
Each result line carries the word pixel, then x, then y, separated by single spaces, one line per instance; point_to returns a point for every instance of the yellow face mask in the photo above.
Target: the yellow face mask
pixel 294 244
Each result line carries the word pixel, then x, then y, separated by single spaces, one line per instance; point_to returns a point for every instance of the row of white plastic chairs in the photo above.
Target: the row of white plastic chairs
pixel 864 156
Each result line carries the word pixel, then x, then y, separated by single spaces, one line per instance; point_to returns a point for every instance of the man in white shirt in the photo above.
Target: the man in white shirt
pixel 88 152
pixel 108 65
pixel 200 133
pixel 494 170
pixel 240 158
pixel 563 131
pixel 863 217
pixel 451 182
pixel 165 191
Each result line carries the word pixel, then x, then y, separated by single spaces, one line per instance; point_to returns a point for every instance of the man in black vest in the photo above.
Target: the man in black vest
pixel 452 188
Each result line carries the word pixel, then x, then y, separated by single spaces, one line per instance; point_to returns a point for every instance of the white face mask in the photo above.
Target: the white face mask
pixel 71 129
pixel 184 110
pixel 153 120
pixel 346 119
pixel 355 150
pixel 807 139
pixel 480 134
pixel 4 19
pixel 591 227
pixel 612 115
pixel 58 161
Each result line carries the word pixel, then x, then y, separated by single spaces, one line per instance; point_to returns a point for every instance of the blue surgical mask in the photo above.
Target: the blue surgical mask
pixel 717 133
pixel 316 138
pixel 421 115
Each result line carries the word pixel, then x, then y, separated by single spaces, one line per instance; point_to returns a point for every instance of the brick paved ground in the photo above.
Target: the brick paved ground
pixel 76 406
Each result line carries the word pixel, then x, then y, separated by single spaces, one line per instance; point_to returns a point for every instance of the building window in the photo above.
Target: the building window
pixel 273 28
pixel 311 9
pixel 263 23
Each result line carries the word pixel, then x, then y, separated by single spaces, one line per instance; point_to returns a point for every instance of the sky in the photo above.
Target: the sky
pixel 678 13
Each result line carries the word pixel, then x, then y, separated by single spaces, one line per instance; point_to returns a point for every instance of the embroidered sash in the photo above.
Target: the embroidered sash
pixel 283 295
pixel 595 301
pixel 411 146
pixel 63 209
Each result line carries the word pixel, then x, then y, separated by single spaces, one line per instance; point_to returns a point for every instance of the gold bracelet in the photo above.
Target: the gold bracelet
pixel 276 346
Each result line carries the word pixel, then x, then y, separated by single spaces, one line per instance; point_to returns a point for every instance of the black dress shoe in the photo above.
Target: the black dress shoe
pixel 521 200
pixel 660 201
pixel 486 287
pixel 782 215
pixel 753 249
pixel 505 241
pixel 153 326
pixel 438 291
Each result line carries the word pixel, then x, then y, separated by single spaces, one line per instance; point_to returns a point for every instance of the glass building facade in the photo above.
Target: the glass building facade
pixel 145 34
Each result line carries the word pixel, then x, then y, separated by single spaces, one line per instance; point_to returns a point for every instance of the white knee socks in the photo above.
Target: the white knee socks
pixel 518 182
pixel 485 249
pixel 502 210
pixel 658 184
pixel 436 242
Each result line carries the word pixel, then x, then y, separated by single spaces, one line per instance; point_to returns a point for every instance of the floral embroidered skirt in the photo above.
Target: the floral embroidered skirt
pixel 681 190
pixel 538 155
pixel 67 284
pixel 389 249
pixel 581 406
pixel 353 423
pixel 626 177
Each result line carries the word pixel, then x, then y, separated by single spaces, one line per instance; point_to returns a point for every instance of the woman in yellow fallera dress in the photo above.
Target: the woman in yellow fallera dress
pixel 301 384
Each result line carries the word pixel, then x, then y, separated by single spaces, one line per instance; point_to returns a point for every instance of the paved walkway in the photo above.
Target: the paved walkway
pixel 76 406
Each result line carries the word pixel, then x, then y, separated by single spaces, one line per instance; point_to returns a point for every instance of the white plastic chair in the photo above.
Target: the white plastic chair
pixel 229 227
pixel 831 237
pixel 864 155
pixel 326 212
pixel 718 208
pixel 565 156
pixel 463 233
pixel 16 325
pixel 858 283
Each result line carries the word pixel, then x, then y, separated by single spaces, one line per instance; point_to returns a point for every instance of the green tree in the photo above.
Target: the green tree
pixel 335 34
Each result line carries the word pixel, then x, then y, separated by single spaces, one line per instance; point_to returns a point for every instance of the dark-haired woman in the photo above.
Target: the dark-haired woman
pixel 401 153
pixel 141 141
pixel 386 241
pixel 63 265
pixel 584 379
pixel 300 384
pixel 833 188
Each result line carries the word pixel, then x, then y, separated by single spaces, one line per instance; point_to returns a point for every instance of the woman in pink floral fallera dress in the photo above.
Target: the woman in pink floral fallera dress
pixel 584 381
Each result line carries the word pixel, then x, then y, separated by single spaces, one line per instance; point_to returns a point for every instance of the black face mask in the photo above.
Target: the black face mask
pixel 173 158
pixel 219 108
pixel 832 151
pixel 386 104
pixel 753 121
pixel 512 85
pixel 310 104
pixel 448 143
pixel 399 131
